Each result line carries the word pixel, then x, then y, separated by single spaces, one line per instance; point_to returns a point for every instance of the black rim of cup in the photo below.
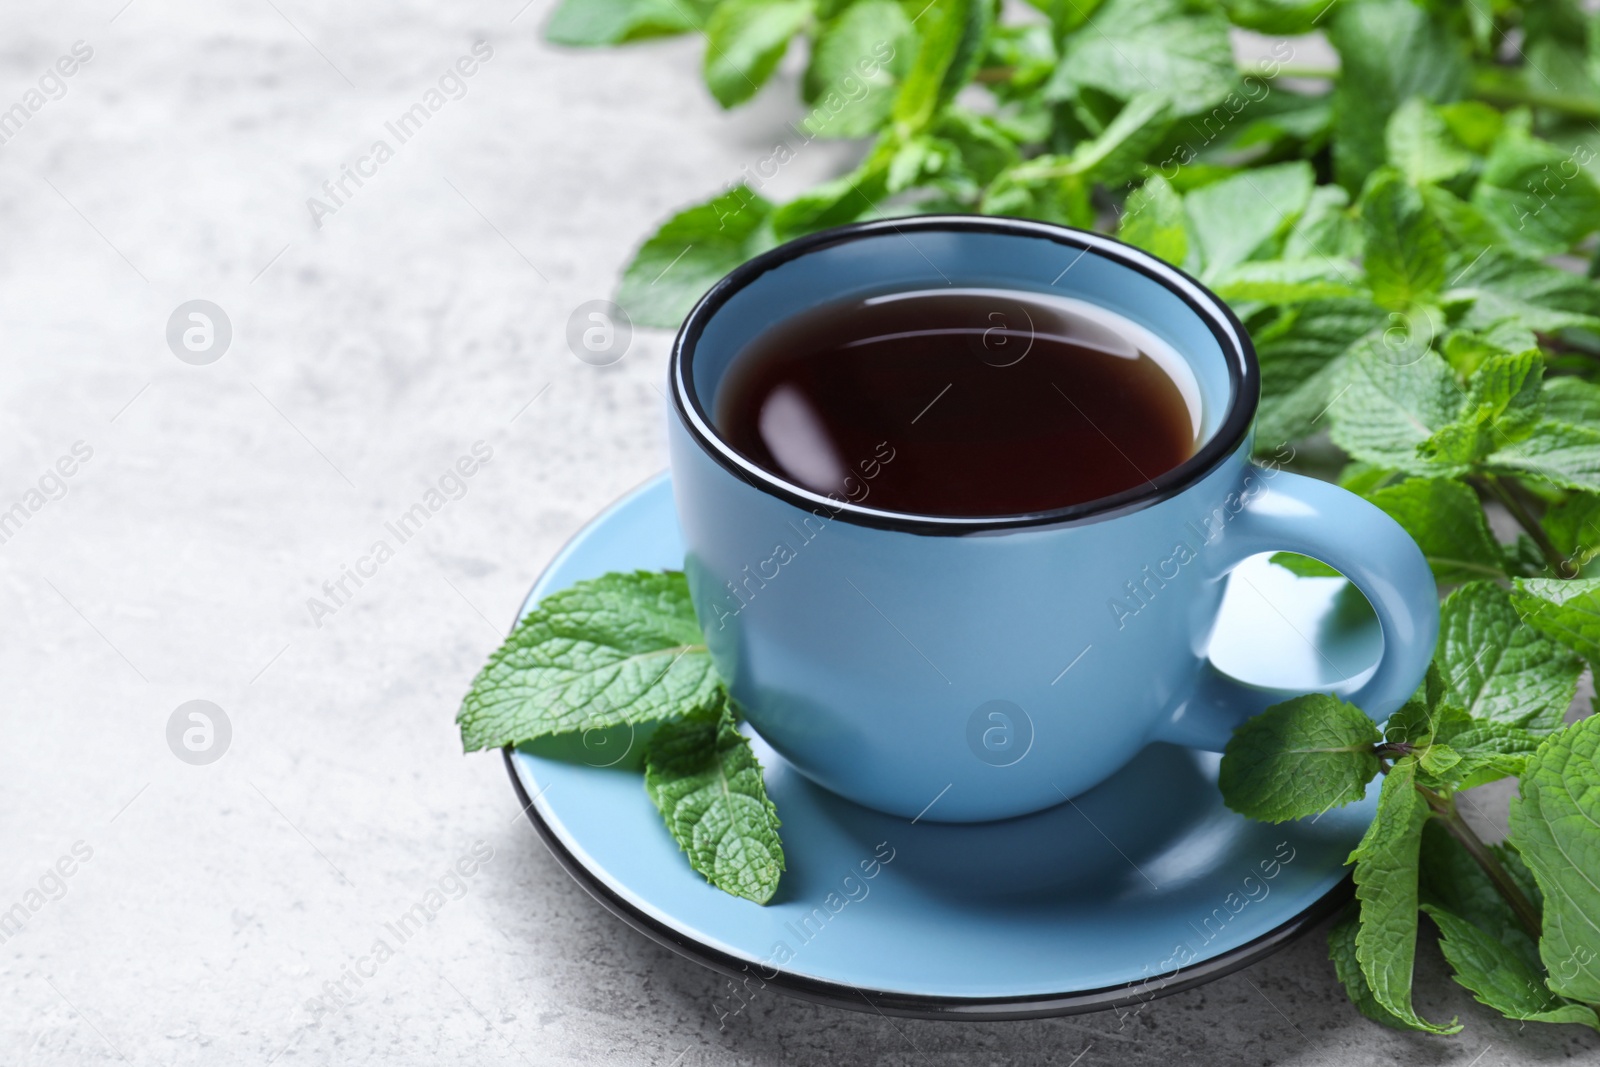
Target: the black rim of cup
pixel 1244 376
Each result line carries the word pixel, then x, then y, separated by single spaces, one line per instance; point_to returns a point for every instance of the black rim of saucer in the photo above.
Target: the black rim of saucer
pixel 914 1006
pixel 1244 374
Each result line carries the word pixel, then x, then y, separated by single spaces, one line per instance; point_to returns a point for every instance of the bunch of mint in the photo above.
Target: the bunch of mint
pixel 1409 235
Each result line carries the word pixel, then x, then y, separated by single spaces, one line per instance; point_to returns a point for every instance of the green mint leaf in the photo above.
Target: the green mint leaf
pixel 691 252
pixel 1568 611
pixel 1119 152
pixel 1450 878
pixel 1389 51
pixel 1498 977
pixel 1422 146
pixel 1488 752
pixel 702 776
pixel 1567 456
pixel 1574 526
pixel 1447 522
pixel 1153 219
pixel 1234 218
pixel 1342 951
pixel 1299 758
pixel 1541 198
pixel 1498 669
pixel 1139 46
pixel 624 648
pixel 1301 364
pixel 844 199
pixel 745 39
pixel 1573 401
pixel 1326 228
pixel 1286 281
pixel 1553 820
pixel 1279 18
pixel 1395 400
pixel 1504 286
pixel 1386 889
pixel 1405 254
pixel 598 22
pixel 979 144
pixel 1503 407
pixel 1304 566
pixel 856 65
pixel 951 38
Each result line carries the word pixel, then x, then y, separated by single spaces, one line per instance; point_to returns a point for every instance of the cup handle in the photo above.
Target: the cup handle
pixel 1293 513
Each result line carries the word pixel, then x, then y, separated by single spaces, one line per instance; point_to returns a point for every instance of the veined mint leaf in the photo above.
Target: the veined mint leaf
pixel 1389 51
pixel 1568 611
pixel 625 648
pixel 1487 752
pixel 1422 145
pixel 597 22
pixel 745 39
pixel 1396 400
pixel 1498 669
pixel 690 253
pixel 1289 281
pixel 877 33
pixel 1301 364
pixel 1503 406
pixel 951 39
pixel 1119 152
pixel 1136 46
pixel 1342 951
pixel 1445 519
pixel 1299 758
pixel 702 776
pixel 1326 228
pixel 1453 880
pixel 1541 198
pixel 1567 456
pixel 1573 401
pixel 1498 976
pixel 845 198
pixel 1153 219
pixel 1504 286
pixel 1386 888
pixel 1405 254
pixel 1234 218
pixel 1574 526
pixel 1553 821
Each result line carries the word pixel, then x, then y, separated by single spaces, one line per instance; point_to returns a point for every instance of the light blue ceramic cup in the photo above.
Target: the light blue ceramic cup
pixel 964 669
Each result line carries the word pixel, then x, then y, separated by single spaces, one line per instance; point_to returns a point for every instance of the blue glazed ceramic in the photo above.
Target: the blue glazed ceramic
pixel 1144 885
pixel 1003 664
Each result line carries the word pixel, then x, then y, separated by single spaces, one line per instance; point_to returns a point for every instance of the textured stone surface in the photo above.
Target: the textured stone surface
pixel 367 355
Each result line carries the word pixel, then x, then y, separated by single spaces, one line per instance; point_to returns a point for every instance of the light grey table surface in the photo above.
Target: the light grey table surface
pixel 176 563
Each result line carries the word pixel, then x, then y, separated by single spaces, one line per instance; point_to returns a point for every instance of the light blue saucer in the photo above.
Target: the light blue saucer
pixel 1144 886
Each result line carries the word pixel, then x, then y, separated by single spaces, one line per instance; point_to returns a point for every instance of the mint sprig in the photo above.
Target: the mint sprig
pixel 626 649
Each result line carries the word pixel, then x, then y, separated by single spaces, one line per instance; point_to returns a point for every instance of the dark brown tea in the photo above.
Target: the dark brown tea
pixel 961 402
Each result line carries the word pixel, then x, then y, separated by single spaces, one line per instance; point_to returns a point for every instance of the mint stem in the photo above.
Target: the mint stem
pixel 1552 555
pixel 1444 809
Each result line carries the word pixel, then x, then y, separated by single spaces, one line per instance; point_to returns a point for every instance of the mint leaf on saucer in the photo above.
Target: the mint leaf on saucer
pixel 624 648
pixel 1553 820
pixel 1299 758
pixel 706 782
pixel 1498 669
pixel 1499 977
pixel 1386 888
